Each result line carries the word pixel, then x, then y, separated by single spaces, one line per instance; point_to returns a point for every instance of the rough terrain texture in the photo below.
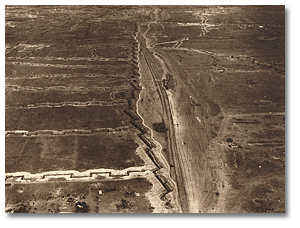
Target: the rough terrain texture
pixel 71 117
pixel 220 74
pixel 145 109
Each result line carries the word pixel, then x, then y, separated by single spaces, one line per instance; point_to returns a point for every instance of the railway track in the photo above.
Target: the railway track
pixel 177 174
pixel 175 69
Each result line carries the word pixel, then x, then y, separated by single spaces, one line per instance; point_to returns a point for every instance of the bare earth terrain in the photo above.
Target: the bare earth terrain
pixel 145 109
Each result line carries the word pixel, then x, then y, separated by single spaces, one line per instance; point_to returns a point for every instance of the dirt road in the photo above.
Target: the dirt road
pixel 178 172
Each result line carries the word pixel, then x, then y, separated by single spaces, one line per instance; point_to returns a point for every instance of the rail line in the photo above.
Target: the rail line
pixel 178 71
pixel 171 137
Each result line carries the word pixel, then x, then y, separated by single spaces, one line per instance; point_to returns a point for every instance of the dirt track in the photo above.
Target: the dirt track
pixel 202 182
pixel 180 173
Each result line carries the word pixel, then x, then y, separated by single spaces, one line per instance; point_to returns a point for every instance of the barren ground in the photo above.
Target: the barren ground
pixel 157 109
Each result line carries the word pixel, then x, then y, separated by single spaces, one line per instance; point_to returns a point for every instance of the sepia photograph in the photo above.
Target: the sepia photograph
pixel 145 109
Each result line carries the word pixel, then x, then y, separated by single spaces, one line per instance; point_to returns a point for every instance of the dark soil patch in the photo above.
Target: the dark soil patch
pixel 40 154
pixel 159 127
pixel 62 118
